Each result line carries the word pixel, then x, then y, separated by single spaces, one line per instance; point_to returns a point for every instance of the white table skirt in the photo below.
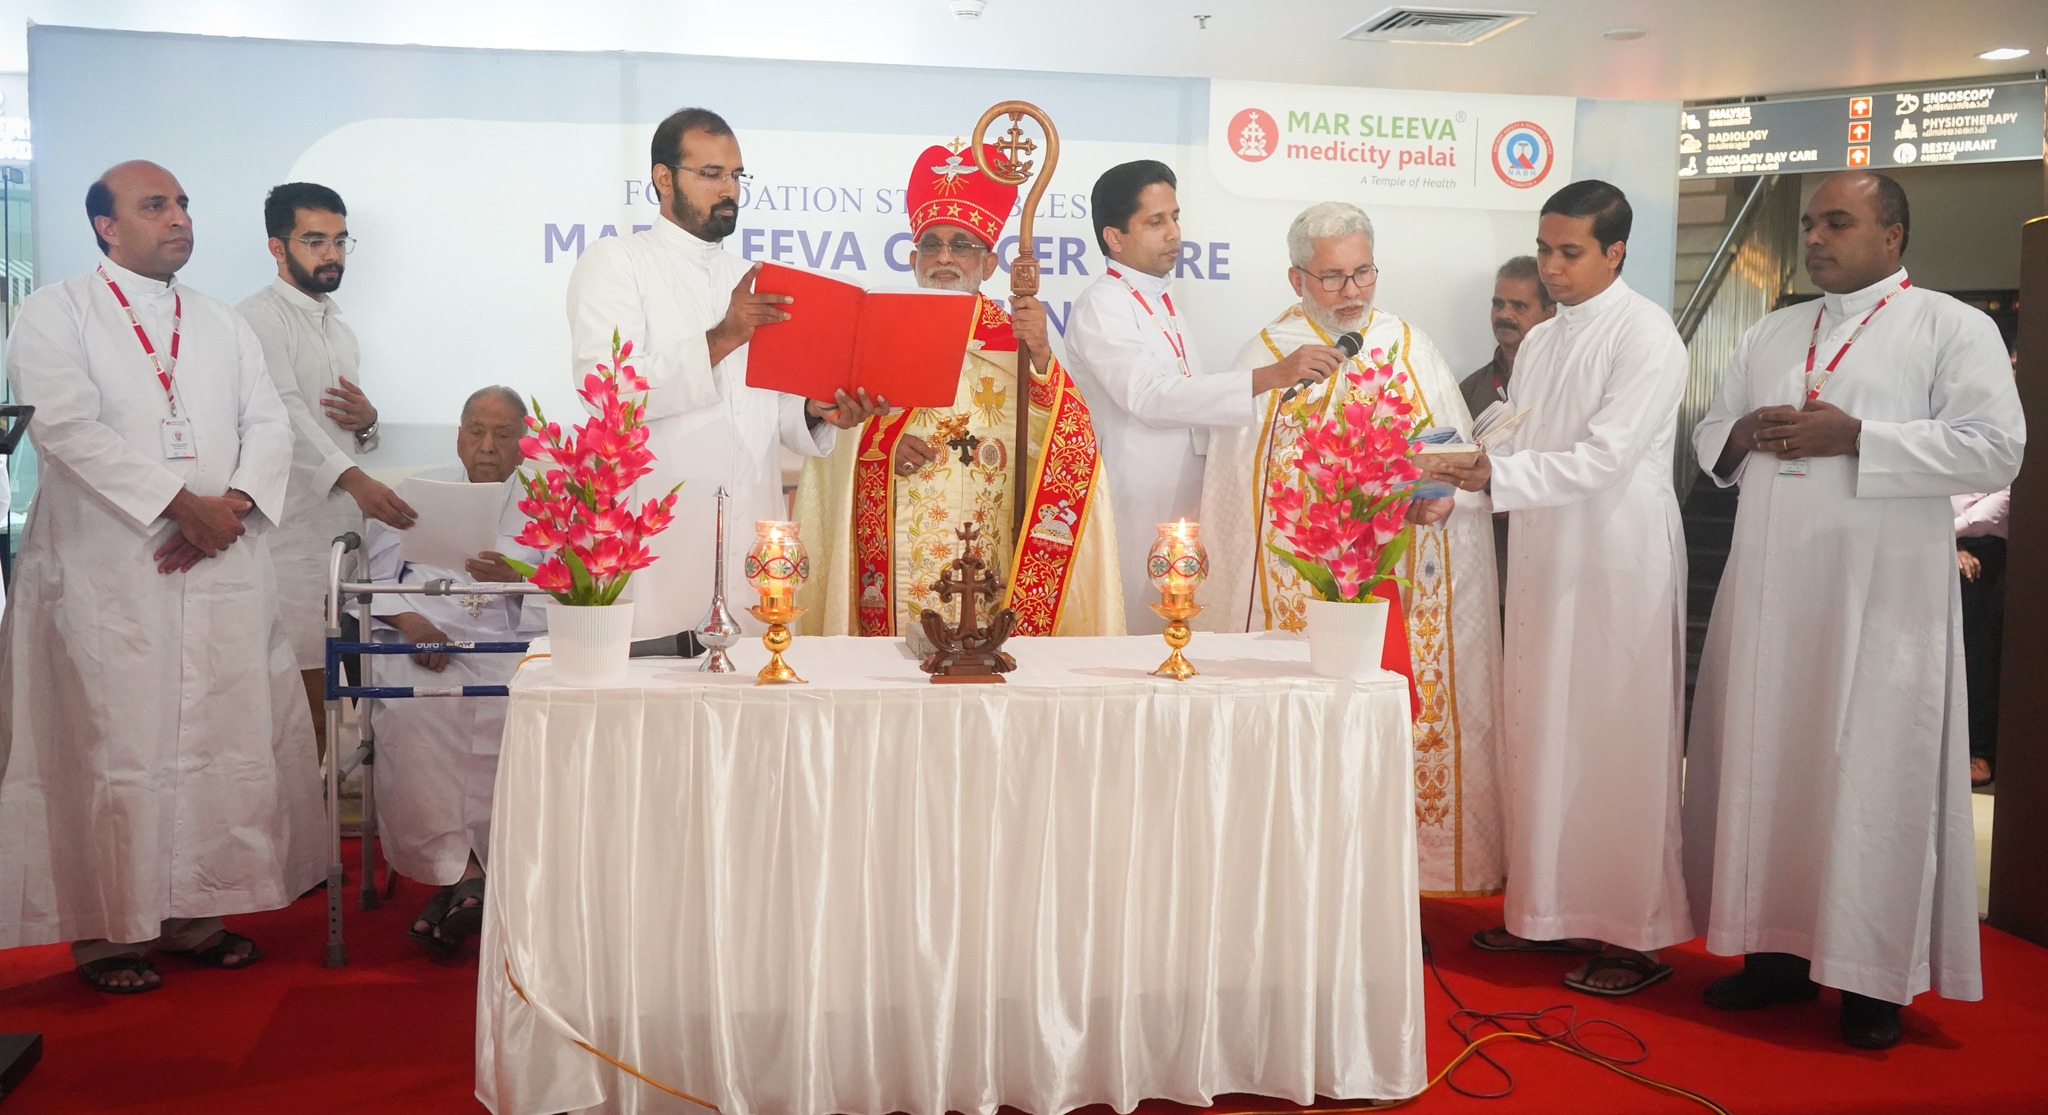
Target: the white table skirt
pixel 872 894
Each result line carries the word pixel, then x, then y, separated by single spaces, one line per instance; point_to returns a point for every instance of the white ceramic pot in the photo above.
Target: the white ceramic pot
pixel 1346 640
pixel 588 647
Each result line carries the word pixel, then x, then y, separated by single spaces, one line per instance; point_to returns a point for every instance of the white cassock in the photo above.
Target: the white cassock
pixel 663 289
pixel 1827 798
pixel 437 757
pixel 1451 604
pixel 308 348
pixel 1594 649
pixel 1137 370
pixel 152 727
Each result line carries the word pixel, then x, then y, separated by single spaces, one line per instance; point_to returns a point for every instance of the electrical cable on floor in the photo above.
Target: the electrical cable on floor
pixel 1556 1026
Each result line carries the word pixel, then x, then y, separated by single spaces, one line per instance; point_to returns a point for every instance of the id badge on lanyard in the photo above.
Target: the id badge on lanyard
pixel 176 430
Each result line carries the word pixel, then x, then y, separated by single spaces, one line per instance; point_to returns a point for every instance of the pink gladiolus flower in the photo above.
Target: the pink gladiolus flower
pixel 581 505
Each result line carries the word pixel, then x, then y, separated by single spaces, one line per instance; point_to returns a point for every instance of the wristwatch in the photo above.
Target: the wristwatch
pixel 366 438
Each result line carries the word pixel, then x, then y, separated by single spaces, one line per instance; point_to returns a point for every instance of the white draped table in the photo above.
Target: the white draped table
pixel 872 894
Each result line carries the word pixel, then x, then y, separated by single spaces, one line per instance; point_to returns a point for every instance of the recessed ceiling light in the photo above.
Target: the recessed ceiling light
pixel 2003 53
pixel 1623 34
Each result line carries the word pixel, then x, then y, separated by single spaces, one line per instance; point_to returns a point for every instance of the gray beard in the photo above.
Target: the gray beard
pixel 1328 319
pixel 965 284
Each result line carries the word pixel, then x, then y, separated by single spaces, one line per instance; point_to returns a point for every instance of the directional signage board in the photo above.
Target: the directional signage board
pixel 1948 124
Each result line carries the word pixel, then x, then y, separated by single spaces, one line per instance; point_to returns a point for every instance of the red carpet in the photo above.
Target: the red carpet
pixel 393 1032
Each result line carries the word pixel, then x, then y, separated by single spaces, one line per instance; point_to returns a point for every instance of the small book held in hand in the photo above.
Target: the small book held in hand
pixel 905 346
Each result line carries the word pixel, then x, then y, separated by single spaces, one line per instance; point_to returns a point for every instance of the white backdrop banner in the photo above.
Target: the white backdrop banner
pixel 476 178
pixel 1389 147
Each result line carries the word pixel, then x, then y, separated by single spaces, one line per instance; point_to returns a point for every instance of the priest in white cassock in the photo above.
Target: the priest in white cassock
pixel 1129 351
pixel 1594 669
pixel 1450 607
pixel 437 758
pixel 1827 801
pixel 885 505
pixel 689 308
pixel 152 730
pixel 312 356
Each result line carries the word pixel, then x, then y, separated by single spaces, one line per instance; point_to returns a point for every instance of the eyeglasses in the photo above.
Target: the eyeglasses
pixel 959 246
pixel 319 244
pixel 713 174
pixel 1362 278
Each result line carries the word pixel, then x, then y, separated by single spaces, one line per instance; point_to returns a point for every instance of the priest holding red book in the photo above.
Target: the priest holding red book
pixel 885 504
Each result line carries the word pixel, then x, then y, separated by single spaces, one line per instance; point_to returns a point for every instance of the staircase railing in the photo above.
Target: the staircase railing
pixel 1749 272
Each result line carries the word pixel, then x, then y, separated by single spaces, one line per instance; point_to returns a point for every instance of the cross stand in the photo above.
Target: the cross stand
pixel 969 652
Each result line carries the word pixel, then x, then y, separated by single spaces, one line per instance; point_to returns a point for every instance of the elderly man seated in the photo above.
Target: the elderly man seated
pixel 438 757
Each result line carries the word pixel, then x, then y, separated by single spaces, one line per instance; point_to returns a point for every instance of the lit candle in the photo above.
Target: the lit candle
pixel 777 565
pixel 1177 563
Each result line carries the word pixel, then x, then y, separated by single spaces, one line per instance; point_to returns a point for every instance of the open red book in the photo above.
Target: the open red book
pixel 905 346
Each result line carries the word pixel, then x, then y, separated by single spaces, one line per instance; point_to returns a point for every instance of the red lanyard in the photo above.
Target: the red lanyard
pixel 163 374
pixel 1813 387
pixel 1174 340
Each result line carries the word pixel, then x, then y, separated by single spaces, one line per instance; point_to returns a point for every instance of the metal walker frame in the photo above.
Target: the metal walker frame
pixel 337 766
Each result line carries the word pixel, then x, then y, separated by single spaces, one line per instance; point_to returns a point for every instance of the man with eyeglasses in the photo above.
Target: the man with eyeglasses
pixel 313 359
pixel 926 470
pixel 1136 365
pixel 690 307
pixel 1452 622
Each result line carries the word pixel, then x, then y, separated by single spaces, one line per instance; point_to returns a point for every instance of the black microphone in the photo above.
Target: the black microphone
pixel 1348 344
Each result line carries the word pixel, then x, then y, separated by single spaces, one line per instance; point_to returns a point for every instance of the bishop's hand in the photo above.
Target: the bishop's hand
pixel 746 311
pixel 1028 320
pixel 913 453
pixel 1429 512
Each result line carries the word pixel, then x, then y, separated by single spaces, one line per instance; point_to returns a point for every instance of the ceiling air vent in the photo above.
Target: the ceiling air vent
pixel 1437 26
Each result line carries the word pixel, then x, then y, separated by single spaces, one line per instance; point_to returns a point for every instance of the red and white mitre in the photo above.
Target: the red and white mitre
pixel 946 187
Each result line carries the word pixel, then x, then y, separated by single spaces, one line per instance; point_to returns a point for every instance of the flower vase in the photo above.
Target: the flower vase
pixel 1345 639
pixel 589 646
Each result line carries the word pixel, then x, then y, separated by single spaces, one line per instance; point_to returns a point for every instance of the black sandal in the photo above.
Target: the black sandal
pixel 221 954
pixel 94 972
pixel 433 915
pixel 1648 973
pixel 462 921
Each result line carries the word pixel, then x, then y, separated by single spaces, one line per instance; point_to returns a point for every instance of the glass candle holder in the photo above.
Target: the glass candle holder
pixel 777 565
pixel 1177 563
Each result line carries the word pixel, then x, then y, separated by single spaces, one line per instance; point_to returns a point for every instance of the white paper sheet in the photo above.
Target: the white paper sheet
pixel 457 520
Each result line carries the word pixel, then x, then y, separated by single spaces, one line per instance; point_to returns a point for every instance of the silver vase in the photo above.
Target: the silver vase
pixel 718 629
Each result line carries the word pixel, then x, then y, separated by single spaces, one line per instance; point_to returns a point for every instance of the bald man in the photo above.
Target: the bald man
pixel 1828 830
pixel 152 731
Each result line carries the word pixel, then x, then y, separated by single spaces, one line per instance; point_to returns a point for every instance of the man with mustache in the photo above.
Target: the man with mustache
pixel 1519 304
pixel 1452 622
pixel 153 768
pixel 313 359
pixel 1593 677
pixel 927 470
pixel 1827 800
pixel 690 307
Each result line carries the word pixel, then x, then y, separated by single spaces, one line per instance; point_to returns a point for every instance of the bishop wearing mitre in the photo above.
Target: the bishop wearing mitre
pixel 885 505
pixel 1450 607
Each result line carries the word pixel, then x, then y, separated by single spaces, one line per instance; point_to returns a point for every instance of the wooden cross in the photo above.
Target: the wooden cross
pixel 1015 143
pixel 966 443
pixel 967 578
